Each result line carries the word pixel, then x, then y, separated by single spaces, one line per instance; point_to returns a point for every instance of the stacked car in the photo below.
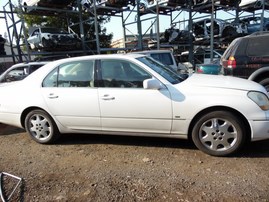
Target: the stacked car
pixel 47 38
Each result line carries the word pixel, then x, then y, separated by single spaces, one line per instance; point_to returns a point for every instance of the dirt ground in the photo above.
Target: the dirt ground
pixel 116 168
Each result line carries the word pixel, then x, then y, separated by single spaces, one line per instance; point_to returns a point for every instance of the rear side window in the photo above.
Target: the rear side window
pixel 72 74
pixel 258 46
pixel 164 58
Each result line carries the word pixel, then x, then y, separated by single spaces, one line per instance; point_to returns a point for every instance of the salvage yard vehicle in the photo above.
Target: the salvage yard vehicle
pixel 210 68
pixel 132 94
pixel 222 29
pixel 47 3
pixel 166 57
pixel 50 38
pixel 248 57
pixel 20 71
pixel 249 25
pixel 253 4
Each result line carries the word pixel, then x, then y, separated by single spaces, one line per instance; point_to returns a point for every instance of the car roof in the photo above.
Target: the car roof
pixel 29 63
pixel 94 57
pixel 152 51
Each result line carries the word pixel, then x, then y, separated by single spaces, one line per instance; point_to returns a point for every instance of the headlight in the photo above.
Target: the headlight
pixel 260 99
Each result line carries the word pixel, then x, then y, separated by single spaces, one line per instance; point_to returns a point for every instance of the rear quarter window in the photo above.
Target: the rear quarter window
pixel 258 46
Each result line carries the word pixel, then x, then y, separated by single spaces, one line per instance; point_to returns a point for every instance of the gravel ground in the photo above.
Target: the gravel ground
pixel 116 168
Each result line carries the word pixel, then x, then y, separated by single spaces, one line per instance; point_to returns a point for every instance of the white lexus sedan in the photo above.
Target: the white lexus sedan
pixel 132 94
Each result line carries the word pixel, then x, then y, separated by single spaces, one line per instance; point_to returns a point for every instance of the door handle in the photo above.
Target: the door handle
pixel 107 97
pixel 52 96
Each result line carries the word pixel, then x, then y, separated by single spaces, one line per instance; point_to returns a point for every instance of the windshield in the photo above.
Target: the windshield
pixel 165 71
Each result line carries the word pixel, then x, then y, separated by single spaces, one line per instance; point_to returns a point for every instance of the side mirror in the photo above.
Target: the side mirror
pixel 152 84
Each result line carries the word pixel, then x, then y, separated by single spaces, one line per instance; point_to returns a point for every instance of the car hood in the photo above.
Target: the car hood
pixel 224 82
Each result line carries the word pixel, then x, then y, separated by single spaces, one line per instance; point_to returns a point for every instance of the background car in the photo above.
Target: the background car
pixel 20 71
pixel 251 4
pixel 50 38
pixel 248 57
pixel 47 3
pixel 133 94
pixel 229 2
pixel 209 68
pixel 222 29
pixel 249 25
pixel 166 57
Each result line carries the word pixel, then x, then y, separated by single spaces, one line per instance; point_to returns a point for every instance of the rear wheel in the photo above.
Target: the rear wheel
pixel 41 127
pixel 218 133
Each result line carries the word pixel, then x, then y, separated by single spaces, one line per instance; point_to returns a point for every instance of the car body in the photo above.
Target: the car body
pixel 209 68
pixel 109 3
pixel 252 4
pixel 232 3
pixel 119 3
pixel 174 35
pixel 148 4
pixel 249 25
pixel 166 57
pixel 51 38
pixel 47 3
pixel 132 94
pixel 248 57
pixel 20 71
pixel 222 29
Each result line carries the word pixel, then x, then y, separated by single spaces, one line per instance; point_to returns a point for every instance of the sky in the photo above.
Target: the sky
pixel 115 25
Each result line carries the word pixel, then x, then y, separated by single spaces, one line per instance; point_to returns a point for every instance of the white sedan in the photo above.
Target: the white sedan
pixel 135 95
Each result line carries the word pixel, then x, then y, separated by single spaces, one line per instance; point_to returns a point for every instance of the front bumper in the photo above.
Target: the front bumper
pixel 260 130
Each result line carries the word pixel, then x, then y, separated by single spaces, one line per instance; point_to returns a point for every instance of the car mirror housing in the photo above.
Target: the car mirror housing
pixel 152 84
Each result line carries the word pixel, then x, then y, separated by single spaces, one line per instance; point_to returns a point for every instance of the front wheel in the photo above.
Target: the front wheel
pixel 218 133
pixel 41 127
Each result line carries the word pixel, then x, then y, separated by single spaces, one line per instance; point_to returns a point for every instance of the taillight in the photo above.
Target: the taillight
pixel 199 70
pixel 231 62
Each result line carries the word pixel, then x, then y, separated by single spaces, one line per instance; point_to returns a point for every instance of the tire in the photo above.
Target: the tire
pixel 265 83
pixel 219 133
pixel 46 43
pixel 229 32
pixel 41 127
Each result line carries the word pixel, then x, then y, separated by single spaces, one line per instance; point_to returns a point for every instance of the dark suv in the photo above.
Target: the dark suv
pixel 248 57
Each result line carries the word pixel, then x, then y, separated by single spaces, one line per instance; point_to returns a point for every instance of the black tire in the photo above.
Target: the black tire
pixel 46 43
pixel 219 133
pixel 229 32
pixel 41 127
pixel 265 83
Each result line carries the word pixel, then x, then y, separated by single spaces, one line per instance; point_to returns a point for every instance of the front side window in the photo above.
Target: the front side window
pixel 121 74
pixel 72 74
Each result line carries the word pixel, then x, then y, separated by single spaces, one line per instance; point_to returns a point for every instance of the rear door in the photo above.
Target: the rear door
pixel 71 96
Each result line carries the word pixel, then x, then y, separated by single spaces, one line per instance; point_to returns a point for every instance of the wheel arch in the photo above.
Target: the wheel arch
pixel 221 108
pixel 259 74
pixel 26 111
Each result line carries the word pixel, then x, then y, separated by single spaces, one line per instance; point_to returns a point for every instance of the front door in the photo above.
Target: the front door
pixel 126 106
